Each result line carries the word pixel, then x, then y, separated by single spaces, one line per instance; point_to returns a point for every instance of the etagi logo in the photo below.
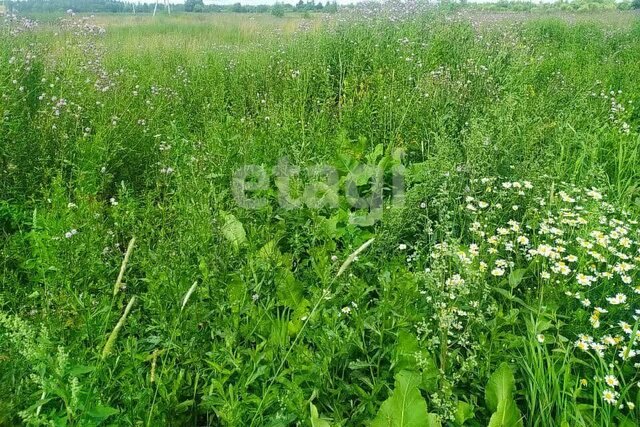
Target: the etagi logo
pixel 363 187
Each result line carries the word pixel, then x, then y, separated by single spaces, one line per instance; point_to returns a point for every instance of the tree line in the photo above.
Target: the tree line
pixel 113 6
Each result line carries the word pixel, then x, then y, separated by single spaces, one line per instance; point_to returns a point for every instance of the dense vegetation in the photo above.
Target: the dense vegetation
pixel 500 288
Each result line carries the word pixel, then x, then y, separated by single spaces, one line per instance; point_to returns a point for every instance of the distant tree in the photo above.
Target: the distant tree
pixel 300 5
pixel 331 7
pixel 277 10
pixel 190 5
pixel 635 4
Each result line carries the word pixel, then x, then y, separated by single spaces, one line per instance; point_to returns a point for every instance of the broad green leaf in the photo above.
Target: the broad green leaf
pixel 297 316
pixel 405 407
pixel 500 387
pixel 269 252
pixel 316 421
pixel 405 351
pixel 289 290
pixel 464 412
pixel 506 415
pixel 233 230
pixel 516 276
pixel 433 420
pixel 236 292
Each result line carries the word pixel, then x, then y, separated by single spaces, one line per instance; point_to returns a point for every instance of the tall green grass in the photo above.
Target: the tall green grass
pixel 270 331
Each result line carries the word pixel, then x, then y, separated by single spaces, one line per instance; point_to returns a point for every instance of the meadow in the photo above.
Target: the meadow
pixel 486 275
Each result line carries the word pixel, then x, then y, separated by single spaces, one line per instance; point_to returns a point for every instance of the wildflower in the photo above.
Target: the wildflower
pixel 609 340
pixel 617 300
pixel 540 338
pixel 473 249
pixel 582 345
pixel 346 310
pixel 625 327
pixel 497 272
pixel 402 246
pixel 583 382
pixel 584 280
pixel 626 353
pixel 594 194
pixel 625 242
pixel 611 381
pixel 70 234
pixel 544 250
pixel 610 396
pixel 562 268
pixel 454 281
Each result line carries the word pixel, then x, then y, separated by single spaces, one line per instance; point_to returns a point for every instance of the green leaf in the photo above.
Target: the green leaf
pixel 237 293
pixel 288 289
pixel 183 406
pixel 406 406
pixel 269 252
pixel 233 230
pixel 464 412
pixel 500 387
pixel 506 415
pixel 516 276
pixel 433 420
pixel 101 413
pixel 405 351
pixel 316 421
pixel 499 398
pixel 81 370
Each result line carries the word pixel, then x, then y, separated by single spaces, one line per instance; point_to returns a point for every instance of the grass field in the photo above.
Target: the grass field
pixel 389 217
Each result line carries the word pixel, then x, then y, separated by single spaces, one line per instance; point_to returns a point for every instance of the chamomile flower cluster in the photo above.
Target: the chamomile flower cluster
pixel 568 243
